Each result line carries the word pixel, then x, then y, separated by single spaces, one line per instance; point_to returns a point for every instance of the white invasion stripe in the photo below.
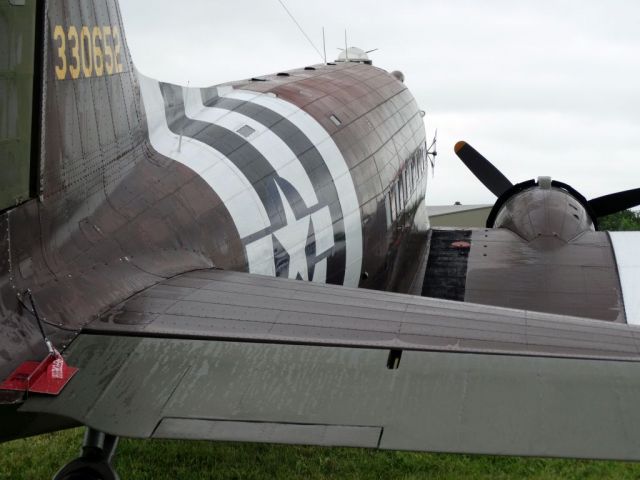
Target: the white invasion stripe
pixel 225 179
pixel 279 156
pixel 270 145
pixel 320 271
pixel 625 247
pixel 261 254
pixel 323 228
pixel 337 168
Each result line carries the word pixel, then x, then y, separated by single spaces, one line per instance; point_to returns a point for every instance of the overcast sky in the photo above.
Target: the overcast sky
pixel 539 87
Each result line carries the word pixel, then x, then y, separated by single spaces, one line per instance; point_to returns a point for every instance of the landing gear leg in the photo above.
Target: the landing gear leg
pixel 94 462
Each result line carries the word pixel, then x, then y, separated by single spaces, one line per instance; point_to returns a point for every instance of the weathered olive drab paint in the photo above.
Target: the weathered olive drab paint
pixel 17 33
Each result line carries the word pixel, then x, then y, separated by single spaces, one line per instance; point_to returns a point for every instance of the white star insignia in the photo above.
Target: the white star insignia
pixel 293 237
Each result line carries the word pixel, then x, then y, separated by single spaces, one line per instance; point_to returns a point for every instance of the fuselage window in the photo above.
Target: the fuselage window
pixel 406 188
pixel 407 180
pixel 413 170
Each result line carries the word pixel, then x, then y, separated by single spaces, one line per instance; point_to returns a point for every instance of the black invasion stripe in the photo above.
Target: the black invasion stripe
pixel 297 205
pixel 249 161
pixel 209 94
pixel 310 159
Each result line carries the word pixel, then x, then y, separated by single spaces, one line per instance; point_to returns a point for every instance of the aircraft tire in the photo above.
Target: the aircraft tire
pixel 84 469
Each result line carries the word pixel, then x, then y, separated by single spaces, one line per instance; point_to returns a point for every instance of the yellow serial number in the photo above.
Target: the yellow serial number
pixel 90 52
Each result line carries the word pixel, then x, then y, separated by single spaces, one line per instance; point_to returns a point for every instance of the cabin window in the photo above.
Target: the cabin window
pixel 394 199
pixel 394 206
pixel 387 208
pixel 405 189
pixel 407 181
pixel 412 174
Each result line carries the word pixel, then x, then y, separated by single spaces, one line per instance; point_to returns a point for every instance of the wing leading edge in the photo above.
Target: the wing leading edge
pixel 230 356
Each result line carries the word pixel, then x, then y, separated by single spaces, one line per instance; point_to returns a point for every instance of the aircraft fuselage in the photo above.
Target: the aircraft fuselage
pixel 317 173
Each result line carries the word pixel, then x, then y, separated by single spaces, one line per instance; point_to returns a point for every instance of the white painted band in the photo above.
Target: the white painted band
pixel 625 247
pixel 282 159
pixel 226 180
pixel 337 168
pixel 236 192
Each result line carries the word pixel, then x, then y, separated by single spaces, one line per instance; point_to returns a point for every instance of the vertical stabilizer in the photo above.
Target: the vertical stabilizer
pixel 91 115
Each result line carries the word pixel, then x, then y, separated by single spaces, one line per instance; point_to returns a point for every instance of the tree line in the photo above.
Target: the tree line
pixel 622 221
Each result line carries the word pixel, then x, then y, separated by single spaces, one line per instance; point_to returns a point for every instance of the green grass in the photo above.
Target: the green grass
pixel 39 457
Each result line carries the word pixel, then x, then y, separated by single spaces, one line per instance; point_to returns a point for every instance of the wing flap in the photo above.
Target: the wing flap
pixel 269 432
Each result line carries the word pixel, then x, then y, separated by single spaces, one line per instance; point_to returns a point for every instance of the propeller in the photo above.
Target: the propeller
pixel 432 150
pixel 495 181
pixel 615 202
pixel 482 168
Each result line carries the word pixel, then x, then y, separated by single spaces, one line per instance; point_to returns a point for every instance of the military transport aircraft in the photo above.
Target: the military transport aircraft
pixel 252 262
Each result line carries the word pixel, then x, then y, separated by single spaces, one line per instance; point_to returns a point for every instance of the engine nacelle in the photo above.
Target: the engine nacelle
pixel 544 208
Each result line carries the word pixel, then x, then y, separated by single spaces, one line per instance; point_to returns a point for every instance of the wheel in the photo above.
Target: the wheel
pixel 85 469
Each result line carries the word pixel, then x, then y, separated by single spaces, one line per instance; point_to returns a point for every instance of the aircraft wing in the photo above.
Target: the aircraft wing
pixel 230 356
pixel 592 276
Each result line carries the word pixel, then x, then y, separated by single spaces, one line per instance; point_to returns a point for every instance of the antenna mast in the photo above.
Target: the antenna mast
pixel 324 47
pixel 299 27
pixel 186 93
pixel 346 49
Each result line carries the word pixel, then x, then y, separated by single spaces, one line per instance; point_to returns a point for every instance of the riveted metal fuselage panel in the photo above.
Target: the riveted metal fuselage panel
pixel 117 216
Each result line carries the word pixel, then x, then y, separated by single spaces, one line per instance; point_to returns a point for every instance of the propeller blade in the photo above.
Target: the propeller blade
pixel 615 202
pixel 489 175
pixel 433 142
